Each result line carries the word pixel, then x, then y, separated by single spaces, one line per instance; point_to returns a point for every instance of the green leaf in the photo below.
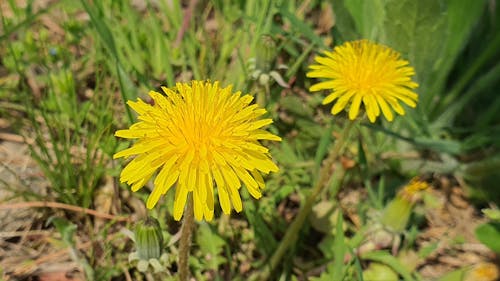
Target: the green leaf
pixel 66 228
pixel 368 16
pixel 416 29
pixel 326 246
pixel 210 244
pixel 324 144
pixel 489 235
pixel 296 105
pixel 455 275
pixel 430 34
pixel 127 89
pixel 441 145
pixel 345 24
pixel 379 272
pixel 388 259
pixel 263 234
pixel 287 154
pixel 339 250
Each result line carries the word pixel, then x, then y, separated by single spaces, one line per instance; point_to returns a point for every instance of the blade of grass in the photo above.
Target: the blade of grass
pixel 7 33
pixel 324 144
pixel 339 250
pixel 483 82
pixel 301 27
pixel 127 87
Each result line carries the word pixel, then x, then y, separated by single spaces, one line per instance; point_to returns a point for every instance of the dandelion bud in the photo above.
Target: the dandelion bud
pixel 265 53
pixel 148 239
pixel 398 211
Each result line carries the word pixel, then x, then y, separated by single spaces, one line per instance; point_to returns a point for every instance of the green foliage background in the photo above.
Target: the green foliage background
pixel 113 51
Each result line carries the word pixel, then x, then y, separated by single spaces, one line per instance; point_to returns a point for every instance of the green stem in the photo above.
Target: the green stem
pixel 185 241
pixel 292 232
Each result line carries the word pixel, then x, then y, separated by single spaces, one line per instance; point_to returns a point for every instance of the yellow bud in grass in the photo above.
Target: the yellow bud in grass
pixel 397 212
pixel 484 271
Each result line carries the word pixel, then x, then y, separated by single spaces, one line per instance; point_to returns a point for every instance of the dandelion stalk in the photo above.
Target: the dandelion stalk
pixel 324 177
pixel 185 241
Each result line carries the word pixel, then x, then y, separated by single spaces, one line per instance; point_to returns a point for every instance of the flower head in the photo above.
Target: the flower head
pixel 413 188
pixel 362 71
pixel 198 136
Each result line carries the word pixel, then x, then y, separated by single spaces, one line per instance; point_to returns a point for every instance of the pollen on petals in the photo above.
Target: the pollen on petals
pixel 195 137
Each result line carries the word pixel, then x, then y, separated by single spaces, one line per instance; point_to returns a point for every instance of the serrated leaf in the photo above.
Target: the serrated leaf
pixel 264 236
pixel 368 16
pixel 345 24
pixel 211 244
pixel 287 154
pixel 296 106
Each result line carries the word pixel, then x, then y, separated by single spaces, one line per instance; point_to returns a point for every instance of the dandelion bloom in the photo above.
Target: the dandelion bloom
pixel 198 136
pixel 362 71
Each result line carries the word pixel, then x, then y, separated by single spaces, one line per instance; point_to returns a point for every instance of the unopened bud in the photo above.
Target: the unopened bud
pixel 148 239
pixel 397 212
pixel 265 53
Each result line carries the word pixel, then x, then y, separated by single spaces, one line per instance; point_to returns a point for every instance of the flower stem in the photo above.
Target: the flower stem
pixel 292 232
pixel 185 241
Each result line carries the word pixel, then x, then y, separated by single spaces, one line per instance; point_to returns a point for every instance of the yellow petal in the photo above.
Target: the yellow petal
pixel 221 187
pixel 258 178
pixel 385 108
pixel 250 183
pixel 263 135
pixel 331 97
pixel 322 86
pixel 342 102
pixel 198 206
pixel 370 111
pixel 230 177
pixel 258 124
pixel 396 106
pixel 354 109
pixel 208 213
pixel 180 199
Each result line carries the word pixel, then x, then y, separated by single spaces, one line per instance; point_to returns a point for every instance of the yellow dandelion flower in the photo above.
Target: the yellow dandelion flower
pixel 362 71
pixel 411 190
pixel 199 136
